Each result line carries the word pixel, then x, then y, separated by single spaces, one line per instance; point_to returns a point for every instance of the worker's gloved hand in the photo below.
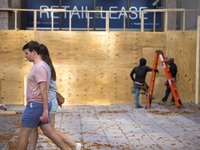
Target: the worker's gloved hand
pixel 166 83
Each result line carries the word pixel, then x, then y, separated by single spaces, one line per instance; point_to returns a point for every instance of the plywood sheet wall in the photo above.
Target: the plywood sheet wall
pixel 93 68
pixel 182 46
pixel 13 65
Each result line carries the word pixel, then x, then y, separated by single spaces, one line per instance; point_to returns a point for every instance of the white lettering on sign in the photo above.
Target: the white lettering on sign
pixel 43 12
pixel 54 15
pixel 65 13
pixel 83 15
pixel 75 13
pixel 102 14
pixel 132 9
pixel 141 8
pixel 86 13
pixel 110 14
pixel 121 13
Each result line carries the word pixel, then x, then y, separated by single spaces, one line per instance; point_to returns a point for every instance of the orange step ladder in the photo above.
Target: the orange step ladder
pixel 171 82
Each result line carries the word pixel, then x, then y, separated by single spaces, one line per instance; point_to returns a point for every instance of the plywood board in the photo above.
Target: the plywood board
pixel 93 68
pixel 182 46
pixel 12 65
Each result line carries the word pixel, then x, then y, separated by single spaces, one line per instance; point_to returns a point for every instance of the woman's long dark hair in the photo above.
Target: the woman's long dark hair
pixel 46 57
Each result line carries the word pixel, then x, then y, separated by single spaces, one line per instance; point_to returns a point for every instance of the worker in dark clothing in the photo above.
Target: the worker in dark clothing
pixel 173 70
pixel 139 80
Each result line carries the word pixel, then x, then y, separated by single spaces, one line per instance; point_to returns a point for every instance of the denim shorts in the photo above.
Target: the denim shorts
pixel 54 106
pixel 32 113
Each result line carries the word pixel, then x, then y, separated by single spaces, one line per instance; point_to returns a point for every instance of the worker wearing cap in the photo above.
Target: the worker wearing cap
pixel 173 70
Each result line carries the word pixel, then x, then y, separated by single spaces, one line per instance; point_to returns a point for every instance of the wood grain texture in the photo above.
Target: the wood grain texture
pixel 182 46
pixel 93 68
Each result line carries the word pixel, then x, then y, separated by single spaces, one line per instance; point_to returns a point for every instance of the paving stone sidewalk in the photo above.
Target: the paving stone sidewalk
pixel 121 127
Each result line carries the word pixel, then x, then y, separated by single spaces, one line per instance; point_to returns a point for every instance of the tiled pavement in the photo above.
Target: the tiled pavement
pixel 120 127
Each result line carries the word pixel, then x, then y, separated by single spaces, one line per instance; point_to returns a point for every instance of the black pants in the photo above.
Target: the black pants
pixel 167 92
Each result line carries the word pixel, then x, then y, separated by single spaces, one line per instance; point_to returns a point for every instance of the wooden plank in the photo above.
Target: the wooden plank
pixel 124 22
pixel 8 112
pixel 166 20
pixel 149 39
pixel 197 62
pixel 154 21
pixel 94 11
pixel 94 67
pixel 163 10
pixel 183 20
pixel 15 19
pixel 52 21
pixel 12 86
pixel 142 21
pixel 182 46
pixel 121 47
pixel 35 20
pixel 88 21
pixel 107 21
pixel 70 21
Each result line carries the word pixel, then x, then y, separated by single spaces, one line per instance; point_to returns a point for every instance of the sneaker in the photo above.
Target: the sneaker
pixel 139 106
pixel 161 103
pixel 171 103
pixel 78 146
